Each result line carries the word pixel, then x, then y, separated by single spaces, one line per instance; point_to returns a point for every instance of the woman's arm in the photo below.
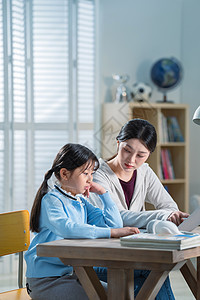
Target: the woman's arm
pixel 161 199
pixel 157 194
pixel 142 218
pixel 130 218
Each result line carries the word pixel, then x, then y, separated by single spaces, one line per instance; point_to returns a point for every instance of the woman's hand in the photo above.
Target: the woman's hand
pixel 94 188
pixel 177 217
pixel 119 232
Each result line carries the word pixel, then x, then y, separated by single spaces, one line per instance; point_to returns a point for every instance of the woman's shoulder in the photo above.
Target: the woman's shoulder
pixel 104 173
pixel 102 163
pixel 147 172
pixel 104 169
pixel 145 169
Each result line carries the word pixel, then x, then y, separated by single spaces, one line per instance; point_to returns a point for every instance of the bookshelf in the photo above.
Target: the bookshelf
pixel 114 116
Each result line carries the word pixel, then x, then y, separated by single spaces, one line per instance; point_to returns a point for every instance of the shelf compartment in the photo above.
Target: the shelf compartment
pixel 177 191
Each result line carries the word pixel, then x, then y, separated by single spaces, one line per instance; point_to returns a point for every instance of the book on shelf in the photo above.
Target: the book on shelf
pixel 174 131
pixel 182 241
pixel 170 129
pixel 170 133
pixel 166 164
pixel 160 172
pixel 163 133
pixel 170 167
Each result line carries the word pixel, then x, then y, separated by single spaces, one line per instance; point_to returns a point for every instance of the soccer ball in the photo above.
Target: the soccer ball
pixel 141 92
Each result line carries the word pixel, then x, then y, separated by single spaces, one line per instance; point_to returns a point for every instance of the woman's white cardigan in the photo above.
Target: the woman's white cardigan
pixel 148 188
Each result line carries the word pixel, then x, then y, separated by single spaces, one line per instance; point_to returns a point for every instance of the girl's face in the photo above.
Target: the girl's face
pixel 78 181
pixel 132 154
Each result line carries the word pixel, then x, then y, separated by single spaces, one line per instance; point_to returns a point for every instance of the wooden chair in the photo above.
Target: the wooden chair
pixel 15 238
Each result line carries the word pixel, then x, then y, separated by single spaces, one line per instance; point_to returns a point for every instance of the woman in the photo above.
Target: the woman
pixel 131 182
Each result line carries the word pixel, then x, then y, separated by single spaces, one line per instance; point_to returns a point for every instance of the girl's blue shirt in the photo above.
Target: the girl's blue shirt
pixel 62 217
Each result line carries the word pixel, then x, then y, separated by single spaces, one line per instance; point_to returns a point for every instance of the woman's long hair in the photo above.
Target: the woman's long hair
pixel 70 157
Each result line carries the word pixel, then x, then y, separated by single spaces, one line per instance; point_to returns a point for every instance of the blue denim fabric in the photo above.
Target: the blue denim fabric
pixel 140 276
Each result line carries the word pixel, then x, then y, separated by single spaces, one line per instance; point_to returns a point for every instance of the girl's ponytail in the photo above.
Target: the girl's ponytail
pixel 70 157
pixel 35 211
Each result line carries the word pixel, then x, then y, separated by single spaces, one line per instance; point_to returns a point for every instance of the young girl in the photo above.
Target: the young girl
pixel 59 213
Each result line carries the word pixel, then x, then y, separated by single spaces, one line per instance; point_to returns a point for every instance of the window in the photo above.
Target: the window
pixel 47 84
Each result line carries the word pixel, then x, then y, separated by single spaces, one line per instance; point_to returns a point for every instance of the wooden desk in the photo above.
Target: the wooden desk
pixel 121 261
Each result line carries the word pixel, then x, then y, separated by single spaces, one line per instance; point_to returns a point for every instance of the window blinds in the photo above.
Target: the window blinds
pixel 47 142
pixel 17 107
pixel 18 60
pixel 63 70
pixel 50 61
pixel 86 71
pixel 85 61
pixel 47 83
pixel 19 184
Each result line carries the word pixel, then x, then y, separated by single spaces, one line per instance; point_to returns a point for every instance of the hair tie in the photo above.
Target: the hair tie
pixel 48 174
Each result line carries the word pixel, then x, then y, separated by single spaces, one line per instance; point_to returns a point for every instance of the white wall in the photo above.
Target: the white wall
pixel 134 34
pixel 190 92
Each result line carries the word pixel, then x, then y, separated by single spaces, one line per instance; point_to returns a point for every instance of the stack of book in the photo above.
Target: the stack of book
pixel 169 241
pixel 184 239
pixel 167 170
pixel 170 130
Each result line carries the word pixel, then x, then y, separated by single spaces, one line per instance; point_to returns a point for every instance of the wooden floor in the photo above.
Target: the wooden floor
pixel 180 287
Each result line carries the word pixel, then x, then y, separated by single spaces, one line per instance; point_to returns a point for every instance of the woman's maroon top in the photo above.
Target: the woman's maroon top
pixel 128 188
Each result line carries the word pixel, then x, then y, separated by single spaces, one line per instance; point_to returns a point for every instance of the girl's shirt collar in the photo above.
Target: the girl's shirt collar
pixel 67 194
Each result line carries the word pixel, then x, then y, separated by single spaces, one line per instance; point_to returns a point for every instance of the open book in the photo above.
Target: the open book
pixel 191 222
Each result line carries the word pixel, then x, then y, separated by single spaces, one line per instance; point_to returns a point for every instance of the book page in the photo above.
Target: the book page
pixel 191 222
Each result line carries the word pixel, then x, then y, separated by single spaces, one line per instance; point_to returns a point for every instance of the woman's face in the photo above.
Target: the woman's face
pixel 132 154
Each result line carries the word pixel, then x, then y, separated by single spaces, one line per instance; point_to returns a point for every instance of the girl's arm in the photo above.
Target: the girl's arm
pixel 119 232
pixel 109 214
pixel 58 220
pixel 68 220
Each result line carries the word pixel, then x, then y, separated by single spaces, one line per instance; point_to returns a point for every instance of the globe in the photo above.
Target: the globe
pixel 166 74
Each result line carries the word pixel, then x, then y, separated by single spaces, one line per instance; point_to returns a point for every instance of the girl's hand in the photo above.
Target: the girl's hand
pixel 119 232
pixel 94 188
